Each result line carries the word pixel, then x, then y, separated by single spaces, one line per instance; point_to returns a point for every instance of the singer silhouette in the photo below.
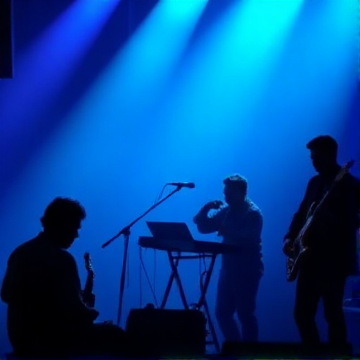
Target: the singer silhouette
pixel 239 223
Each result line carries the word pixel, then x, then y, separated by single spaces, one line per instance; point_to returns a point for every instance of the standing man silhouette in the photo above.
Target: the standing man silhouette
pixel 239 222
pixel 331 254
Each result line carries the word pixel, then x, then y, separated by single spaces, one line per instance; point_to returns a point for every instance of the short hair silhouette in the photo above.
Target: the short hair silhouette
pixel 62 211
pixel 324 143
pixel 237 181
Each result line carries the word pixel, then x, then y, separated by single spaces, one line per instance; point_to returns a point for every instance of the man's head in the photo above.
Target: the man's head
pixel 323 152
pixel 62 220
pixel 235 190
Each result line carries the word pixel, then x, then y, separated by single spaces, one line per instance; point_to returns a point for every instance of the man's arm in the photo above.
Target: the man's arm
pixel 15 283
pixel 208 224
pixel 69 289
pixel 299 217
pixel 6 288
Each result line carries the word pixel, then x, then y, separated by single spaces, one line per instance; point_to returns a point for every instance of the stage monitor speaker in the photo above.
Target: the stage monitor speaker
pixel 6 39
pixel 166 332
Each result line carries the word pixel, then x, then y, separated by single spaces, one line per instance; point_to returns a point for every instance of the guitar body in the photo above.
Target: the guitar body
pixel 89 299
pixel 299 247
pixel 298 252
pixel 293 265
pixel 87 294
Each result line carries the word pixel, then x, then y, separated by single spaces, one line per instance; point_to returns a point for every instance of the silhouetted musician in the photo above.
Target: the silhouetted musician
pixel 46 314
pixel 239 223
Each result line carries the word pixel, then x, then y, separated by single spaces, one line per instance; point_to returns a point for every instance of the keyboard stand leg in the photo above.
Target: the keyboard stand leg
pixel 169 285
pixel 174 263
pixel 206 283
pixel 202 303
pixel 214 341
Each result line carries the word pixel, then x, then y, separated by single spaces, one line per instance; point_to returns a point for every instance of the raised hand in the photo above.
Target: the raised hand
pixel 213 205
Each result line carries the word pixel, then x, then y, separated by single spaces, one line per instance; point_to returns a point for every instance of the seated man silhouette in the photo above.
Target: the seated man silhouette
pixel 46 314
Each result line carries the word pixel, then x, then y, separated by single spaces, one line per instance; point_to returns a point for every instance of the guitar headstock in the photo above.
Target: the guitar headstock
pixel 349 165
pixel 345 169
pixel 88 265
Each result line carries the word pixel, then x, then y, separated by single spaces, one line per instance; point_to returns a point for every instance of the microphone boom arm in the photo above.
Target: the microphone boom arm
pixel 126 232
pixel 126 229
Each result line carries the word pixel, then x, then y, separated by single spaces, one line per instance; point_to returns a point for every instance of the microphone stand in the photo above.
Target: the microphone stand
pixel 126 232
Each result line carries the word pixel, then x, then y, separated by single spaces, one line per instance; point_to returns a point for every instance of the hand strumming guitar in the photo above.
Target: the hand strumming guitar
pixel 287 247
pixel 93 314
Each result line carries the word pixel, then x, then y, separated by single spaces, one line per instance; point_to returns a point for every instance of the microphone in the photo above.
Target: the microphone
pixel 189 185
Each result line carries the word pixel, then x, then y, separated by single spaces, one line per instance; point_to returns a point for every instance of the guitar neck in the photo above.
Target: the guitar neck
pixel 89 284
pixel 88 296
pixel 329 191
pixel 87 293
pixel 312 214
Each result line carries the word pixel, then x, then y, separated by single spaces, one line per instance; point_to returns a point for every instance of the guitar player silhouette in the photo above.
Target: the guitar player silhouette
pixel 46 313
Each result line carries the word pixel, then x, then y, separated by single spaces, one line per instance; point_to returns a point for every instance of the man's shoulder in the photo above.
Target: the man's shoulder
pixel 313 183
pixel 39 248
pixel 314 180
pixel 66 256
pixel 25 247
pixel 253 209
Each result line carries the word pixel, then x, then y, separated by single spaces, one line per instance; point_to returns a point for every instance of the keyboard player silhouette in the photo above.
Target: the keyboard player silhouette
pixel 175 238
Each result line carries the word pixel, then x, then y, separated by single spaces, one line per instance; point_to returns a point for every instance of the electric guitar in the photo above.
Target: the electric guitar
pixel 87 293
pixel 299 247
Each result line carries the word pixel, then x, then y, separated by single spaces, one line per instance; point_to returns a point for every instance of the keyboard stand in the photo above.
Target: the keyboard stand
pixel 174 259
